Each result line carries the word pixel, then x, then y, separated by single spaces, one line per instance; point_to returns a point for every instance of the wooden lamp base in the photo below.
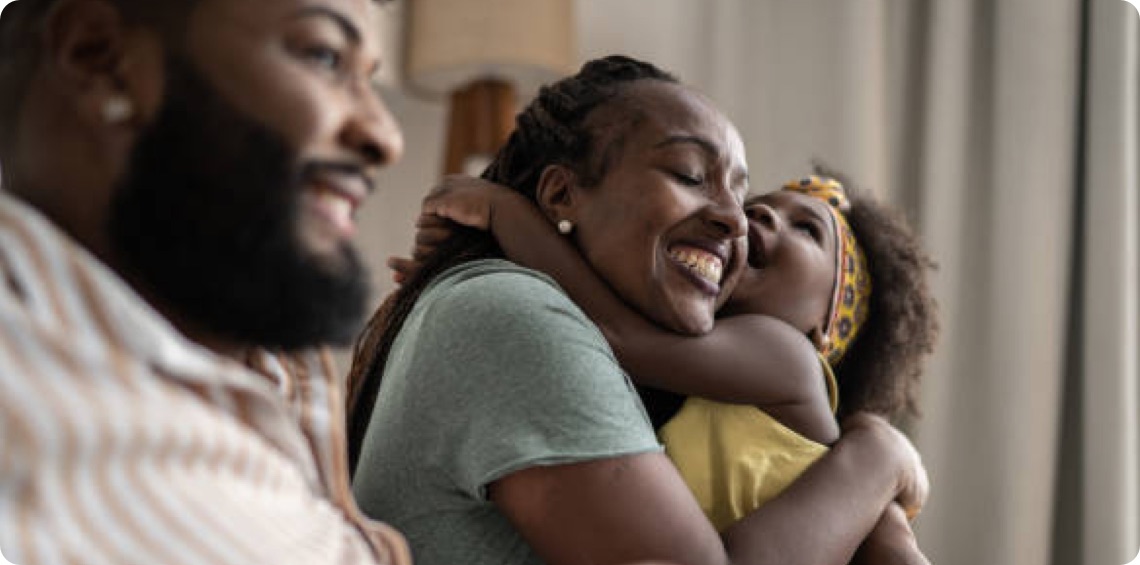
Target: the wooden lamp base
pixel 482 118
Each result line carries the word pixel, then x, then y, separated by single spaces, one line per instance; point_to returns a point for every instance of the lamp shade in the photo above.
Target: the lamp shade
pixel 455 42
pixel 391 22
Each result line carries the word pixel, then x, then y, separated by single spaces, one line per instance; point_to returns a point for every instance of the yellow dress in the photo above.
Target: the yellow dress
pixel 735 457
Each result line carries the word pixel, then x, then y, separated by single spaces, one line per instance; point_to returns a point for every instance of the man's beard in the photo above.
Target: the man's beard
pixel 207 220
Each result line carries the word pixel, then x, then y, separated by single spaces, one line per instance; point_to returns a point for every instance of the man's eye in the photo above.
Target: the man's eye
pixel 323 57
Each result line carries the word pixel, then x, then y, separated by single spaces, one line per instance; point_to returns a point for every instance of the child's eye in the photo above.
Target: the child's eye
pixel 810 229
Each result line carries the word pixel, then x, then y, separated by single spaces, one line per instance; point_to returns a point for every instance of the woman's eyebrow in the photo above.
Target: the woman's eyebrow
pixel 704 144
pixel 350 30
pixel 707 146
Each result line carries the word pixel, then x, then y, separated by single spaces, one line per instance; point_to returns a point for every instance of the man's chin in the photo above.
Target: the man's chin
pixel 331 251
pixel 335 259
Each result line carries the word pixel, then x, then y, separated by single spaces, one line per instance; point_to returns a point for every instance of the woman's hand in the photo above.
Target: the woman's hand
pixel 892 542
pixel 458 199
pixel 913 484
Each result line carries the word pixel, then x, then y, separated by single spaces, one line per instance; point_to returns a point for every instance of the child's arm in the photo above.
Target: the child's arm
pixel 747 359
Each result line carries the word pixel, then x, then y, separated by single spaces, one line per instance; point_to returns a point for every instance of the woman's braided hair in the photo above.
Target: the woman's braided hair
pixel 881 371
pixel 552 130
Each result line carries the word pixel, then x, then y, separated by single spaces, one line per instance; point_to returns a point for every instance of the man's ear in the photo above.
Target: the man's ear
pixel 557 193
pixel 112 72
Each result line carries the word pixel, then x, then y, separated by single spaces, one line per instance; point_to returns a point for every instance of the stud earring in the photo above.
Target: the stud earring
pixel 565 227
pixel 118 109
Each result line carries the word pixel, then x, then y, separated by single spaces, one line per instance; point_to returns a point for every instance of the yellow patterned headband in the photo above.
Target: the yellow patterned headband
pixel 852 290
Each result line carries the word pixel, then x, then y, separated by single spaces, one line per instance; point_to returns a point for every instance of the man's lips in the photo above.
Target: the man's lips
pixel 353 188
pixel 336 198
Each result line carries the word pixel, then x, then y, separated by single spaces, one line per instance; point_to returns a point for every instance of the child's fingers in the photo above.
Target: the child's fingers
pixel 403 266
pixel 912 512
pixel 468 209
pixel 429 220
pixel 460 183
pixel 432 236
pixel 420 253
pixel 459 213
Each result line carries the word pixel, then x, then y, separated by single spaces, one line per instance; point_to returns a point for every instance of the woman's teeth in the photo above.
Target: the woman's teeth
pixel 699 262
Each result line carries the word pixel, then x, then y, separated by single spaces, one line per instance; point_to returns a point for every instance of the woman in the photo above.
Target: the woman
pixel 505 430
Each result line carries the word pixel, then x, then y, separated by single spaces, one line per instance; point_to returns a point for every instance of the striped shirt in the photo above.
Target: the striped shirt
pixel 122 442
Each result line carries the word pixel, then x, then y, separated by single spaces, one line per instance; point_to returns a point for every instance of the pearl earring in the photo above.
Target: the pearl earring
pixel 118 109
pixel 565 227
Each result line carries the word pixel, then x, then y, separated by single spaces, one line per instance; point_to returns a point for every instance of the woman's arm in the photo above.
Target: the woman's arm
pixel 637 507
pixel 892 541
pixel 746 359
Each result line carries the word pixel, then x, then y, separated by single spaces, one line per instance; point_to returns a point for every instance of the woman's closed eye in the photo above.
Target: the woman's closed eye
pixel 688 179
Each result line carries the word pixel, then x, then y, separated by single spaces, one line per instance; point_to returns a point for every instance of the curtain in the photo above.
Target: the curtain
pixel 1104 456
pixel 1007 130
pixel 995 172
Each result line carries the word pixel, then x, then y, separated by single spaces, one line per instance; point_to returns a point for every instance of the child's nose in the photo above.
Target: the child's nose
pixel 764 215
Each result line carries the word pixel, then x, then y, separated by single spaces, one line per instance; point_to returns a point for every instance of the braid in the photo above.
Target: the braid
pixel 552 130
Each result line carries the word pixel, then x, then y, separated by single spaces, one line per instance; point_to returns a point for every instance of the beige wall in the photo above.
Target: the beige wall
pixel 686 38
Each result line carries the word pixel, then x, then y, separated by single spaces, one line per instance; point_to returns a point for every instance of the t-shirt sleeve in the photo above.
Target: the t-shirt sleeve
pixel 522 378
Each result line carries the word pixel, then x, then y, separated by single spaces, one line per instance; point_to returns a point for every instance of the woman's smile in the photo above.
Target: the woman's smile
pixel 705 267
pixel 664 226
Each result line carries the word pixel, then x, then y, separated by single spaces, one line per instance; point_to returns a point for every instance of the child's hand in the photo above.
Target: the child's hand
pixel 459 199
pixel 467 201
pixel 430 232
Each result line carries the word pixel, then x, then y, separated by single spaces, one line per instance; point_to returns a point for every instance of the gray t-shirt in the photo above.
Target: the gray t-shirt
pixel 495 371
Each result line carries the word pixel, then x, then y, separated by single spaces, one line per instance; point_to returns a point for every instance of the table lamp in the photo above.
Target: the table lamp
pixel 482 54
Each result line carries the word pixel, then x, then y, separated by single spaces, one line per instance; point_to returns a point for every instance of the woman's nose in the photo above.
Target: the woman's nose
pixel 729 219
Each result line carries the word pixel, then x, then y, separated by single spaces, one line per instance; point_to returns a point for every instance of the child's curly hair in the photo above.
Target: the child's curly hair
pixel 880 372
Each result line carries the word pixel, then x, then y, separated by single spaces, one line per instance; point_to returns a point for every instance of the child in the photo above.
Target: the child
pixel 834 282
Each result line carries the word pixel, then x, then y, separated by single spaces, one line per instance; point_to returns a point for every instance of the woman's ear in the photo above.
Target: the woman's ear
pixel 557 193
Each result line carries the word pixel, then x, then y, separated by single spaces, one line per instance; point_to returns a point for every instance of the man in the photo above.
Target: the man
pixel 176 226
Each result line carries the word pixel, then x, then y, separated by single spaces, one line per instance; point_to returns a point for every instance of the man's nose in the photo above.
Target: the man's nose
pixel 373 134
